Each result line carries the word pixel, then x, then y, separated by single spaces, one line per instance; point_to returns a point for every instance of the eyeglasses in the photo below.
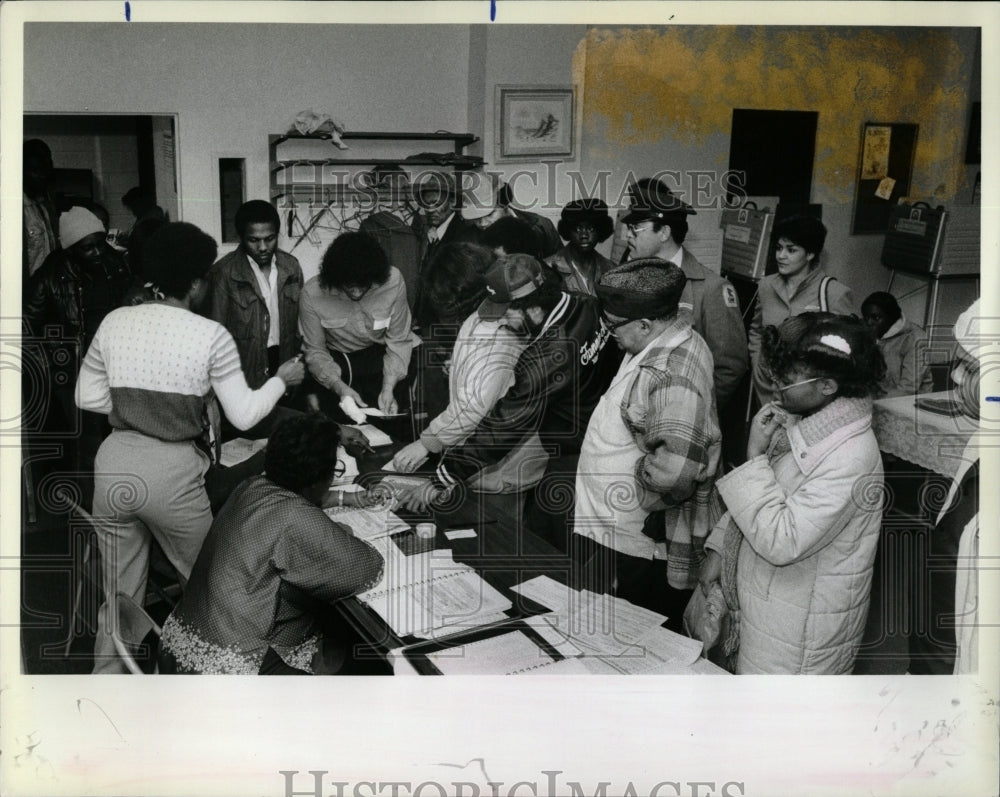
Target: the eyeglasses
pixel 339 469
pixel 796 384
pixel 635 229
pixel 611 326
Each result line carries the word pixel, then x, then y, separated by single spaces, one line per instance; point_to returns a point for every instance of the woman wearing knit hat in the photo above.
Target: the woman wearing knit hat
pixel 71 292
pixel 584 223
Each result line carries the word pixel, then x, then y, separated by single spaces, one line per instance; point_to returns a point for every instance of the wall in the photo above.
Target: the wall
pixel 232 85
pixel 663 99
pixel 530 55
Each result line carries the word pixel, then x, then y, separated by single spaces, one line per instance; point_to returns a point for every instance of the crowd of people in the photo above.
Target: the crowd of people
pixel 527 357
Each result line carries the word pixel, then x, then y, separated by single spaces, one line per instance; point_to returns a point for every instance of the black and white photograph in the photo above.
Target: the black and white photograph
pixel 652 348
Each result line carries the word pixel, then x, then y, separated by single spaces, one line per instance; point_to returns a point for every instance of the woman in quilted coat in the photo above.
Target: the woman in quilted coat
pixel 797 546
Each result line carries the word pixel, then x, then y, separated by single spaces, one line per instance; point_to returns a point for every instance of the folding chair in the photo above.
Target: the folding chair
pixel 135 635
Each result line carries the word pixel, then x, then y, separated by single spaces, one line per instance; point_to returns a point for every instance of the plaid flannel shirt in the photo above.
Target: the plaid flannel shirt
pixel 670 410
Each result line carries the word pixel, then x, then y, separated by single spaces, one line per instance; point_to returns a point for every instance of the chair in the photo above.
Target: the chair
pixel 135 635
pixel 159 571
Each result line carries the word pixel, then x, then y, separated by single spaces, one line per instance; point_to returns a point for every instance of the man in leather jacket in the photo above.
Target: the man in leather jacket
pixel 65 301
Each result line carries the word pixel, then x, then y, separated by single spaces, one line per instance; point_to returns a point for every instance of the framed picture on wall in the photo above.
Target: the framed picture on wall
pixel 535 122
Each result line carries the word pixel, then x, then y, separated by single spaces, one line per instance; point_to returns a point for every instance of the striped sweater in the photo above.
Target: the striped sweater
pixel 153 367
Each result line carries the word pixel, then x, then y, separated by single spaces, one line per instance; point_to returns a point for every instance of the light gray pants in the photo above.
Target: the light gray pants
pixel 144 486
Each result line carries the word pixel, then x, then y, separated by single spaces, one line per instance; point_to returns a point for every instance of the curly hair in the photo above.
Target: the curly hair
pixel 837 347
pixel 586 211
pixel 456 281
pixel 176 255
pixel 256 211
pixel 302 451
pixel 516 236
pixel 354 259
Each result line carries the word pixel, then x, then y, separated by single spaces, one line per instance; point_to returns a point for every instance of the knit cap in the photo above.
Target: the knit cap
pixel 645 288
pixel 76 224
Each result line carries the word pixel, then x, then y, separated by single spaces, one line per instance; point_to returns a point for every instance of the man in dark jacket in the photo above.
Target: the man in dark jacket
pixel 558 379
pixel 65 301
pixel 436 224
pixel 657 226
pixel 486 205
pixel 254 294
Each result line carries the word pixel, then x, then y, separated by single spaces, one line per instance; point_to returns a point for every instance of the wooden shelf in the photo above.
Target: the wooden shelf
pixel 460 139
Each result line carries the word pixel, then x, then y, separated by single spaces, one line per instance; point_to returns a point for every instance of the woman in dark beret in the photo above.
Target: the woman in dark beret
pixel 584 223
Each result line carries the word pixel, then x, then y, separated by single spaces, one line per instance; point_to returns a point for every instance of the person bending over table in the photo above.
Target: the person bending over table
pixel 355 326
pixel 558 379
pixel 152 368
pixel 482 355
pixel 271 558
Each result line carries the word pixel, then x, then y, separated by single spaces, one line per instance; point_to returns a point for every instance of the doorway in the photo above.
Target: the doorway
pixel 100 157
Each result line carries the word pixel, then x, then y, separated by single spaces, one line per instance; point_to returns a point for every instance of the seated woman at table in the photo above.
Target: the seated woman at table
pixel 902 344
pixel 271 558
pixel 481 367
pixel 796 548
pixel 355 326
pixel 800 284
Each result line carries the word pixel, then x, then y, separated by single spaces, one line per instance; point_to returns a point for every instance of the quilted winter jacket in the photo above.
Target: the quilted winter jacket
pixel 810 521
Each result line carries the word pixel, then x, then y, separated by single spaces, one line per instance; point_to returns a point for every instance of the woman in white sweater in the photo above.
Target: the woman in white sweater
pixel 152 369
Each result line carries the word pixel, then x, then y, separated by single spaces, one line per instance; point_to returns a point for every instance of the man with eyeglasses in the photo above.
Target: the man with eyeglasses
pixel 657 227
pixel 652 443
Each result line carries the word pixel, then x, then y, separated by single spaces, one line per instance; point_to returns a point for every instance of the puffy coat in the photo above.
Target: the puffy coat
pixel 810 521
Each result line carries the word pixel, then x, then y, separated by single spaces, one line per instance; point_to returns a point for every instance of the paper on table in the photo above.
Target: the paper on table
pixel 506 654
pixel 424 593
pixel 367 524
pixel 236 451
pixel 460 534
pixel 376 437
pixel 546 591
pixel 659 652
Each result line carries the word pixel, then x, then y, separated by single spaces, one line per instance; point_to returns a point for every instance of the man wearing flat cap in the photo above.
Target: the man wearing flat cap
pixel 558 378
pixel 657 226
pixel 652 443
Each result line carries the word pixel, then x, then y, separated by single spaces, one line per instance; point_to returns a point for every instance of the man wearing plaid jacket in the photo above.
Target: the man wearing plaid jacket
pixel 652 443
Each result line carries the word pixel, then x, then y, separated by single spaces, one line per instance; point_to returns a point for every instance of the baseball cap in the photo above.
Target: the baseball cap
pixel 653 200
pixel 512 277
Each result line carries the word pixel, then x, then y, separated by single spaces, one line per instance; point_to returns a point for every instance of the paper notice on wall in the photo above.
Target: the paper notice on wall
pixel 875 154
pixel 884 190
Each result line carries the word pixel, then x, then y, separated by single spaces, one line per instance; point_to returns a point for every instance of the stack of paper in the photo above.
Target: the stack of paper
pixel 430 592
pixel 367 524
pixel 624 638
pixel 376 437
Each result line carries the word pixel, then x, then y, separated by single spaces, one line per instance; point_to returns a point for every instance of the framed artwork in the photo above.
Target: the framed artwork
pixel 536 122
pixel 884 171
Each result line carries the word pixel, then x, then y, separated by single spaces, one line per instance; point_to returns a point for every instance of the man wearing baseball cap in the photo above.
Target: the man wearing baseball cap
pixel 654 441
pixel 657 226
pixel 558 379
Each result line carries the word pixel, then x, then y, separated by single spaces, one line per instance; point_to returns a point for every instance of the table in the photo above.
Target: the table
pixel 504 553
pixel 928 439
